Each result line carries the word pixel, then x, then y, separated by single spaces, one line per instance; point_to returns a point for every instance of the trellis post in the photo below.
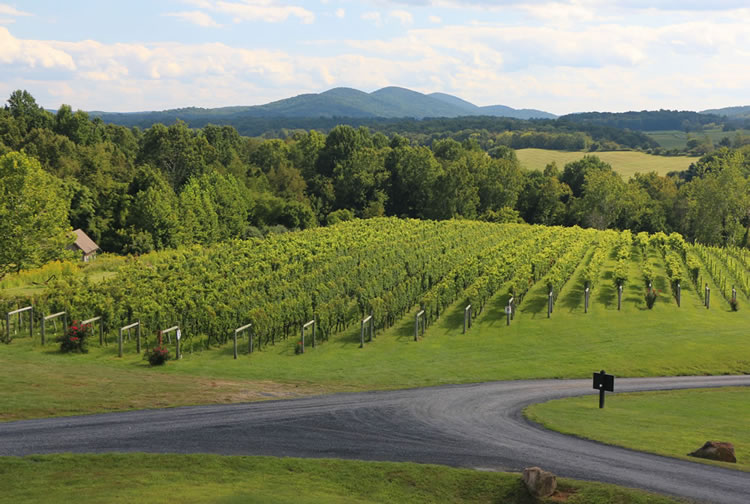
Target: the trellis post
pixel 619 297
pixel 420 313
pixel 101 327
pixel 178 334
pixel 509 311
pixel 549 304
pixel 305 326
pixel 367 322
pixel 239 330
pixel 128 328
pixel 29 309
pixel 586 300
pixel 52 317
pixel 467 318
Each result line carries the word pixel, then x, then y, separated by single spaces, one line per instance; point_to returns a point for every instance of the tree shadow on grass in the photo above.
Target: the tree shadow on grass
pixel 573 299
pixel 534 304
pixel 453 319
pixel 606 291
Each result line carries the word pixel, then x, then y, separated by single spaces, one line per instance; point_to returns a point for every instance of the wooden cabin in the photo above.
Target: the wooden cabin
pixel 84 245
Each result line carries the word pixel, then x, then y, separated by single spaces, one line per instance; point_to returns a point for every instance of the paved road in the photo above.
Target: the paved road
pixel 479 426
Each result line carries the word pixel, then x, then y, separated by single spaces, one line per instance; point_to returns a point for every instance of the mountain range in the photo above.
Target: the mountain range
pixel 389 102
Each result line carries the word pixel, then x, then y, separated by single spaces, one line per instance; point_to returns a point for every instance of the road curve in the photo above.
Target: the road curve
pixel 478 425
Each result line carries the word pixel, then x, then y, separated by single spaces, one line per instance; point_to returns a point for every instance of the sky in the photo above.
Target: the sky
pixel 560 56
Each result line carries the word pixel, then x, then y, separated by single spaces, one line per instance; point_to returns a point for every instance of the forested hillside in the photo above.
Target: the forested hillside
pixel 136 190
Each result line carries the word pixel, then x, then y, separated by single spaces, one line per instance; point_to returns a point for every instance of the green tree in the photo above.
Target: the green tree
pixel 574 173
pixel 33 214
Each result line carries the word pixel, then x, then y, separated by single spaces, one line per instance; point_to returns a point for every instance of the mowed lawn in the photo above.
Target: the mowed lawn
pixel 138 477
pixel 671 423
pixel 626 163
pixel 635 341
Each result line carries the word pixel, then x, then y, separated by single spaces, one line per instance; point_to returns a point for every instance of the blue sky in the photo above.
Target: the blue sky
pixel 557 55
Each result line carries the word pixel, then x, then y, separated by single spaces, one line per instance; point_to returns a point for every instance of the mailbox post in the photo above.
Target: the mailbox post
pixel 603 382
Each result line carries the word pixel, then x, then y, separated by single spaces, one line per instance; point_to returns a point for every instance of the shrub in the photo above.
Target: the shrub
pixel 75 339
pixel 298 348
pixel 650 298
pixel 733 303
pixel 157 356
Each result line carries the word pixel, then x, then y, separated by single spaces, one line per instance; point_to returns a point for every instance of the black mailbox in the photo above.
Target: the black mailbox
pixel 604 381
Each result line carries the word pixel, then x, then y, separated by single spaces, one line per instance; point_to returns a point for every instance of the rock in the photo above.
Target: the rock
pixel 716 450
pixel 540 483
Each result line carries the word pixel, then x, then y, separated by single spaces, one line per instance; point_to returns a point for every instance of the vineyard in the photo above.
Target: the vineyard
pixel 386 268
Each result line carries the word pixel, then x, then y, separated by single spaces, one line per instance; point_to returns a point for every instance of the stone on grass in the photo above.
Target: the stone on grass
pixel 716 450
pixel 539 483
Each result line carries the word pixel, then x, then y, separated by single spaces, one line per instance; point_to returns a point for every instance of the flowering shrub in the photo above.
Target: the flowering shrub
pixel 650 298
pixel 157 356
pixel 75 338
pixel 298 348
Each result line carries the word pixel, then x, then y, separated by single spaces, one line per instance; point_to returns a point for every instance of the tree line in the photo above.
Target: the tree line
pixel 136 190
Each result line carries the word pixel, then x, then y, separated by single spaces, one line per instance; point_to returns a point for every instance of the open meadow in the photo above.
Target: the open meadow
pixel 626 163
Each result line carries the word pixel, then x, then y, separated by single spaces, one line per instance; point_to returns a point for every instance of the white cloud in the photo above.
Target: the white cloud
pixel 7 10
pixel 264 10
pixel 686 62
pixel 340 13
pixel 201 4
pixel 195 17
pixel 435 19
pixel 32 53
pixel 403 17
pixel 374 17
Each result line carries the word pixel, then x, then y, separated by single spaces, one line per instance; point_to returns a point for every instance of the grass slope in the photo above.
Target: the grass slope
pixel 633 342
pixel 671 423
pixel 626 163
pixel 675 139
pixel 208 478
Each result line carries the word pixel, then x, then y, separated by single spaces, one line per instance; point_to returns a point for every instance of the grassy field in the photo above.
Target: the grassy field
pixel 674 139
pixel 671 423
pixel 208 478
pixel 633 342
pixel 34 281
pixel 626 163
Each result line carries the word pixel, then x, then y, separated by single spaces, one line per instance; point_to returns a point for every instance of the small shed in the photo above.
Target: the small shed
pixel 85 245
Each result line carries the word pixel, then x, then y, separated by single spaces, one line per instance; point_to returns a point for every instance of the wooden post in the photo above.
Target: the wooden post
pixel 586 301
pixel 416 324
pixel 467 317
pixel 678 294
pixel 138 337
pixel 619 297
pixel 708 298
pixel 549 304
pixel 119 343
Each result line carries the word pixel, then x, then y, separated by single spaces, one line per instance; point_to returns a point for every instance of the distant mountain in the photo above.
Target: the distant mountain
pixel 730 111
pixel 387 103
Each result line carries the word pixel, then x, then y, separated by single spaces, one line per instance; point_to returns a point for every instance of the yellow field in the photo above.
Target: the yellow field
pixel 626 163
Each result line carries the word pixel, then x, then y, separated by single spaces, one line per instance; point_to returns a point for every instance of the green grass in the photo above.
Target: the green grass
pixel 626 163
pixel 633 342
pixel 675 139
pixel 209 478
pixel 29 282
pixel 671 423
